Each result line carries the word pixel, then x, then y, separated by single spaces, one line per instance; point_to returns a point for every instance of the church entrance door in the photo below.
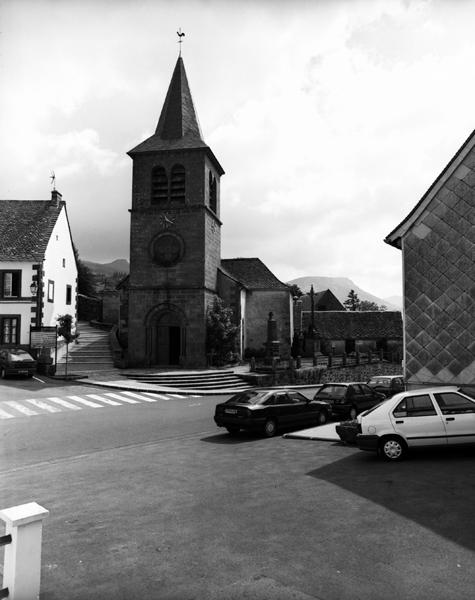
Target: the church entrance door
pixel 166 336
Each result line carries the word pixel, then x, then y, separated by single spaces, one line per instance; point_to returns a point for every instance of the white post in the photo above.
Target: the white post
pixel 22 562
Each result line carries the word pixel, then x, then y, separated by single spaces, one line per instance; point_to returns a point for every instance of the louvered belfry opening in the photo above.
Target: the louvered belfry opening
pixel 177 187
pixel 159 185
pixel 213 202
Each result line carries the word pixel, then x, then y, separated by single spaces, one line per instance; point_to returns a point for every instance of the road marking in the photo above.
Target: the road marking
pixel 5 415
pixel 117 397
pixel 44 406
pixel 38 379
pixel 140 397
pixel 159 396
pixel 177 396
pixel 20 408
pixel 195 404
pixel 85 402
pixel 101 399
pixel 65 403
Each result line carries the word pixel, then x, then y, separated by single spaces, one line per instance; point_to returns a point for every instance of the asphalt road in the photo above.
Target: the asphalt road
pixel 151 500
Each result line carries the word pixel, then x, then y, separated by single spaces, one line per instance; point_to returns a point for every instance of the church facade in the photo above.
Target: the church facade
pixel 175 241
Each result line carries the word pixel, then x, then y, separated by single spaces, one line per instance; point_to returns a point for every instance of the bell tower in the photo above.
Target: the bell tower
pixel 175 236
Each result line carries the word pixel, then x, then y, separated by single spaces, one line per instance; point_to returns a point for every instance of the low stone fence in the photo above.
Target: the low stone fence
pixel 311 375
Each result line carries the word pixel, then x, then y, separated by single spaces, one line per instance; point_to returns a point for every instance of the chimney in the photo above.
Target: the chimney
pixel 56 198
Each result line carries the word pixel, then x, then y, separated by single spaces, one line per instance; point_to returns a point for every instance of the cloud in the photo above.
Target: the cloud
pixel 331 119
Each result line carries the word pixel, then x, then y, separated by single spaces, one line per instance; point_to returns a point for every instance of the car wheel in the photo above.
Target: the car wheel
pixel 321 418
pixel 353 413
pixel 233 430
pixel 270 428
pixel 392 448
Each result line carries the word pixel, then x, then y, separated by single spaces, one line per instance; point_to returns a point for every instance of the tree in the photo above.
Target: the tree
pixel 368 305
pixel 64 330
pixel 352 302
pixel 86 278
pixel 295 290
pixel 221 332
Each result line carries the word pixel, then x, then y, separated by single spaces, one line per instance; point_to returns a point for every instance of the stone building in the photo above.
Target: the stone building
pixel 437 240
pixel 175 242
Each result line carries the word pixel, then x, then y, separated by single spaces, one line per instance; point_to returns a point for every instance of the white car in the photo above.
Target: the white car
pixel 438 416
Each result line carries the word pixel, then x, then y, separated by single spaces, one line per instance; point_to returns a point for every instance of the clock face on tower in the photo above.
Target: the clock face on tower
pixel 167 249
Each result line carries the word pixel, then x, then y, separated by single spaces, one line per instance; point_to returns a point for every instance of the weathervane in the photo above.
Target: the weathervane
pixel 180 36
pixel 53 180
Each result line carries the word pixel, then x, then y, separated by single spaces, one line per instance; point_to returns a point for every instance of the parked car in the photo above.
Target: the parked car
pixel 14 361
pixel 348 399
pixel 270 409
pixel 387 384
pixel 439 416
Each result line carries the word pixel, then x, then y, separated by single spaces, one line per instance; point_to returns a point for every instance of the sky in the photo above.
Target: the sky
pixel 330 118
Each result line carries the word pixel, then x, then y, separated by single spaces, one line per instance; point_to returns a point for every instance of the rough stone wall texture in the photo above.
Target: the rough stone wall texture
pixel 439 268
pixel 186 286
pixel 258 305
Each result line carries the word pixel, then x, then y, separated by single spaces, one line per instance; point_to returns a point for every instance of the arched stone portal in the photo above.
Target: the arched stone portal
pixel 166 336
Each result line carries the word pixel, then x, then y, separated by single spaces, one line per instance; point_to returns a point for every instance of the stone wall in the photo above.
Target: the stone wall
pixel 258 305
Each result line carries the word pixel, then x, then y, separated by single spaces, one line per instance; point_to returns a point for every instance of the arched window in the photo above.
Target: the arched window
pixel 213 202
pixel 177 187
pixel 159 185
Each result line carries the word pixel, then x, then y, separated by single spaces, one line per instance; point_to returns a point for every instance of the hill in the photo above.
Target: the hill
pixel 120 265
pixel 340 286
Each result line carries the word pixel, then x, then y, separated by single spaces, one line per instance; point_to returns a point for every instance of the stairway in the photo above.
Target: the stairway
pixel 91 353
pixel 197 380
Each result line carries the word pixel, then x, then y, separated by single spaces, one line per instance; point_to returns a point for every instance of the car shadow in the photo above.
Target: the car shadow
pixel 242 437
pixel 433 487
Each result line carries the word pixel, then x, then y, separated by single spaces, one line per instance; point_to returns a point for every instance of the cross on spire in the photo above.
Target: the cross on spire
pixel 180 35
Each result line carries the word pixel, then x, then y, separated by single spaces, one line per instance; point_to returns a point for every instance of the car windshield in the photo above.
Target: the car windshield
pixel 19 355
pixel 380 381
pixel 336 391
pixel 247 397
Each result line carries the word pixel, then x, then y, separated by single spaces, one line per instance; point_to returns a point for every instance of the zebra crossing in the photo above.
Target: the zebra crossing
pixel 31 407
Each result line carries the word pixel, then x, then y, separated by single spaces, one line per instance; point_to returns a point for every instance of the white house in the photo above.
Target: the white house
pixel 38 272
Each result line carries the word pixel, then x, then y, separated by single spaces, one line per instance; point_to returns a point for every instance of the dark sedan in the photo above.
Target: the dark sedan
pixel 14 361
pixel 348 399
pixel 267 409
pixel 389 385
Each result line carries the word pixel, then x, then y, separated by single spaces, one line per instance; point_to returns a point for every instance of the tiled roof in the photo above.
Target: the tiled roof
pixel 178 127
pixel 25 228
pixel 252 274
pixel 325 297
pixel 356 325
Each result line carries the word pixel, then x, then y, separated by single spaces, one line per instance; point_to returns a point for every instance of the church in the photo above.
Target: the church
pixel 176 269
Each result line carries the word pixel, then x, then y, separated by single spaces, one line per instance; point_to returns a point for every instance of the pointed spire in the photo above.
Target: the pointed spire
pixel 178 118
pixel 178 127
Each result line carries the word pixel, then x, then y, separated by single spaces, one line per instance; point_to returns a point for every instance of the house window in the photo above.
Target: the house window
pixel 50 290
pixel 159 185
pixel 177 188
pixel 69 294
pixel 10 282
pixel 10 329
pixel 213 202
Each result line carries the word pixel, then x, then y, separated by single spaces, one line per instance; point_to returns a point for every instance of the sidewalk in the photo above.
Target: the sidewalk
pixel 117 379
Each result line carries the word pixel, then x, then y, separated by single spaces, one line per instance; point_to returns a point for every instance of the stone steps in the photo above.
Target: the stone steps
pixel 90 353
pixel 207 380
